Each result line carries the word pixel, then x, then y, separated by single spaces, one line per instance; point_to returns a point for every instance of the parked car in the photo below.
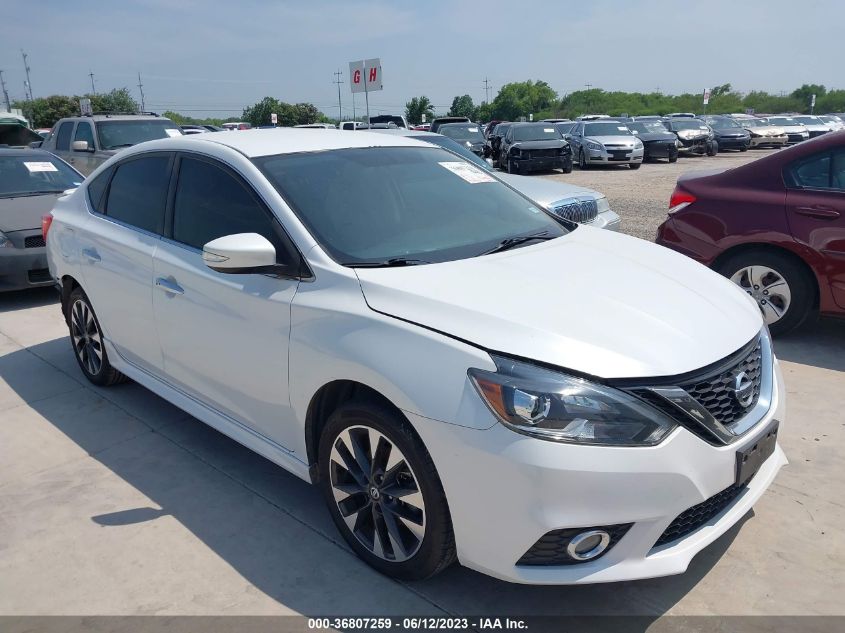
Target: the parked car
pixel 30 182
pixel 729 134
pixel 237 125
pixel 469 134
pixel 443 413
pixel 494 141
pixel 605 143
pixel 565 128
pixel 658 142
pixel 556 121
pixel 681 115
pixel 775 226
pixel 694 135
pixel 321 126
pixel 532 147
pixel 398 120
pixel 592 117
pixel 43 132
pixel 424 127
pixel 352 125
pixel 86 142
pixel 795 131
pixel 815 126
pixel 763 133
pixel 436 123
pixel 565 200
pixel 834 122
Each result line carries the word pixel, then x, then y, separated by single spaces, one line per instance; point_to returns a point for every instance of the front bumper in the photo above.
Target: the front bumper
pixel 22 267
pixel 774 141
pixel 727 142
pixel 614 157
pixel 694 146
pixel 661 149
pixel 541 163
pixel 609 220
pixel 797 137
pixel 505 491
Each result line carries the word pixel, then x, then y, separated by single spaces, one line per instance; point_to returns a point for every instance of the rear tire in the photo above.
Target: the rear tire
pixel 777 283
pixel 87 341
pixel 635 165
pixel 387 501
pixel 582 160
pixel 712 148
pixel 673 159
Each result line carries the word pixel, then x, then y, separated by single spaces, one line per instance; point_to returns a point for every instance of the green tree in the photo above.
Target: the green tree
pixel 718 91
pixel 523 98
pixel 463 106
pixel 805 93
pixel 416 108
pixel 116 100
pixel 45 111
pixel 259 113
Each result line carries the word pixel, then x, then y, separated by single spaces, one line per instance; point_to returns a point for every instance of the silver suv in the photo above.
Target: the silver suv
pixel 88 141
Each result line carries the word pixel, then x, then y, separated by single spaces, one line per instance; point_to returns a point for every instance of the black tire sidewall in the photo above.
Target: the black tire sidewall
pixel 799 281
pixel 437 549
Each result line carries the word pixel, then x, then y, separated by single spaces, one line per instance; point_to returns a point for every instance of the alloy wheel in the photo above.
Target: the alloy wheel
pixel 768 288
pixel 377 493
pixel 87 340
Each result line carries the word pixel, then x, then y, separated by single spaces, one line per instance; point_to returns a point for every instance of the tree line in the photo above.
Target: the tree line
pixel 525 98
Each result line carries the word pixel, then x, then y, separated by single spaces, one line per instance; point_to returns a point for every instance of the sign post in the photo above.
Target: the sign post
pixel 812 103
pixel 85 107
pixel 706 100
pixel 365 76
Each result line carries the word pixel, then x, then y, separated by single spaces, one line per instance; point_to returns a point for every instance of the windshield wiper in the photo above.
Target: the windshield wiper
pixel 119 146
pixel 510 242
pixel 388 263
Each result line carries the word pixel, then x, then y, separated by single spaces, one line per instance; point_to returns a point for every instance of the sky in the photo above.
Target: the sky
pixel 213 57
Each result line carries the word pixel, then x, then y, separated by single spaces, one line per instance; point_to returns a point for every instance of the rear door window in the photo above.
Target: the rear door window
pixel 63 136
pixel 138 192
pixel 820 171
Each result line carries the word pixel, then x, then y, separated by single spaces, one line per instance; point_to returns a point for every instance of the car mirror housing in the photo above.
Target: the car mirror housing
pixel 81 146
pixel 241 253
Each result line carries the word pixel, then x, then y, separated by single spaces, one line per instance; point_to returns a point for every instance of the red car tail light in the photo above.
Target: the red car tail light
pixel 680 199
pixel 46 223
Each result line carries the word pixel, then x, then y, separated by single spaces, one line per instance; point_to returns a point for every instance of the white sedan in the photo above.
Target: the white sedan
pixel 462 374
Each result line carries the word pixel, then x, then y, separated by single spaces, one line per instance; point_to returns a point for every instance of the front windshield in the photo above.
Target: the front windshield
pixel 606 129
pixel 371 205
pixel 565 128
pixel 27 175
pixel 458 148
pixel 754 123
pixel 720 123
pixel 688 124
pixel 807 120
pixel 539 132
pixel 648 127
pixel 461 132
pixel 783 120
pixel 115 134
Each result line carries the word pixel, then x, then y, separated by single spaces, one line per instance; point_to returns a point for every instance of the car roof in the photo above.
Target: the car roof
pixel 255 142
pixel 116 117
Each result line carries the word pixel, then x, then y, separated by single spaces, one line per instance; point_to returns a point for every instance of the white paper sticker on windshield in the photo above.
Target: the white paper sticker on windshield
pixel 473 130
pixel 468 172
pixel 621 127
pixel 172 132
pixel 548 130
pixel 40 166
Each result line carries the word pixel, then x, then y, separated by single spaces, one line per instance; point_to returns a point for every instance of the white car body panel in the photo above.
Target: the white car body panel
pixel 594 302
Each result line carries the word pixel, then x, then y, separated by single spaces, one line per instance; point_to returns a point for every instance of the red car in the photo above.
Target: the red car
pixel 775 226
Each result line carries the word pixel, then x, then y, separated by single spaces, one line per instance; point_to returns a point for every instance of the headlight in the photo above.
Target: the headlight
pixel 678 143
pixel 602 204
pixel 638 144
pixel 5 242
pixel 594 146
pixel 554 406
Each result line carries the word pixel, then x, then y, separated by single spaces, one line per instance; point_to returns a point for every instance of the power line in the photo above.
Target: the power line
pixel 28 83
pixel 338 81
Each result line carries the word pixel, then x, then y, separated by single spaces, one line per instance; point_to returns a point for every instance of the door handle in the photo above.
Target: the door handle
pixel 818 211
pixel 170 287
pixel 91 255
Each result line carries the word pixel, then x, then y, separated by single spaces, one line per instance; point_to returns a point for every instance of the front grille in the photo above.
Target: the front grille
pixel 551 548
pixel 39 275
pixel 542 153
pixel 690 520
pixel 716 394
pixel 619 155
pixel 580 211
pixel 34 241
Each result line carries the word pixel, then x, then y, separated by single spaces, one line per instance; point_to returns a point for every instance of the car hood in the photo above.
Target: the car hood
pixel 552 144
pixel 692 134
pixel 545 191
pixel 593 301
pixel 612 140
pixel 650 137
pixel 767 131
pixel 731 131
pixel 24 213
pixel 795 128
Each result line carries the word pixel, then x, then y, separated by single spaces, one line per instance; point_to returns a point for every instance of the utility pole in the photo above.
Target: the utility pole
pixel 338 81
pixel 141 90
pixel 26 68
pixel 588 86
pixel 93 89
pixel 5 93
pixel 487 89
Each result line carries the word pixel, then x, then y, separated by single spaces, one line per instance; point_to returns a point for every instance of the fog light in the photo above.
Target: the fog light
pixel 587 545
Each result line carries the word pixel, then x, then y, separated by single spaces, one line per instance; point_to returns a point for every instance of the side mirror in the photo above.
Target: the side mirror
pixel 35 144
pixel 240 253
pixel 81 146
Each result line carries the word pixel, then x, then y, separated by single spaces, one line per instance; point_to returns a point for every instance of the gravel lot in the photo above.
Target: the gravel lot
pixel 641 197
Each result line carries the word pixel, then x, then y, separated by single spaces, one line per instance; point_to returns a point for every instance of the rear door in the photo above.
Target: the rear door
pixel 63 136
pixel 117 244
pixel 815 205
pixel 224 337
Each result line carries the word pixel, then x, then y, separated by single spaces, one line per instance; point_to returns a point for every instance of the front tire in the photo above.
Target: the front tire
pixel 512 168
pixel 86 337
pixel 567 166
pixel 582 160
pixel 635 165
pixel 782 288
pixel 384 493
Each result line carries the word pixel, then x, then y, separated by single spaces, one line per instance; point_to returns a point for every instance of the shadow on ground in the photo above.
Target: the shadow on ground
pixel 23 299
pixel 272 528
pixel 820 343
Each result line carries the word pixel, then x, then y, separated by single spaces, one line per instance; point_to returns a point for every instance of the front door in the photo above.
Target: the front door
pixel 815 207
pixel 83 160
pixel 224 337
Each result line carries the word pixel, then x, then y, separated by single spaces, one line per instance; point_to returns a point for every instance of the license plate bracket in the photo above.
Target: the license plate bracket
pixel 749 460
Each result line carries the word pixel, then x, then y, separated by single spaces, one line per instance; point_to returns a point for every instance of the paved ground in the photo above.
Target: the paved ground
pixel 114 502
pixel 641 196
